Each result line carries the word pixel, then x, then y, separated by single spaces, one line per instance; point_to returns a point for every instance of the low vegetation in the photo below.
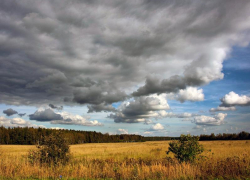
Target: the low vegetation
pixel 139 160
pixel 52 150
pixel 186 149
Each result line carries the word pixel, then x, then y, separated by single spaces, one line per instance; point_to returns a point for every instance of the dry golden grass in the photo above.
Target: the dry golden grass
pixel 226 160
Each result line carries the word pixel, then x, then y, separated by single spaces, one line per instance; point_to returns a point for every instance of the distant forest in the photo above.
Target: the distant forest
pixel 225 136
pixel 32 136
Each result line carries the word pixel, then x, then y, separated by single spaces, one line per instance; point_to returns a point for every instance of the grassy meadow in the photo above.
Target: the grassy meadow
pixel 145 160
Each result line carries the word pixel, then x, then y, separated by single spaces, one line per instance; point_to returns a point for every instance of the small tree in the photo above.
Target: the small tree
pixel 186 148
pixel 52 150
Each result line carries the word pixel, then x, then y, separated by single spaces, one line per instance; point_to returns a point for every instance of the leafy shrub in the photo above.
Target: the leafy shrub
pixel 52 150
pixel 186 148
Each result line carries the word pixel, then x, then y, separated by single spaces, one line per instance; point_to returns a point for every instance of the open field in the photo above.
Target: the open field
pixel 147 160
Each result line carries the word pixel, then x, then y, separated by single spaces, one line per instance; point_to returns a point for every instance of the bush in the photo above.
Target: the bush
pixel 52 150
pixel 186 148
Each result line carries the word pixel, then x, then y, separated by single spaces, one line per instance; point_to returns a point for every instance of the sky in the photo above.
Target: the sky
pixel 153 68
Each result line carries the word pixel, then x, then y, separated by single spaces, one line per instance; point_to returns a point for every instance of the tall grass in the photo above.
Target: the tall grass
pixel 224 160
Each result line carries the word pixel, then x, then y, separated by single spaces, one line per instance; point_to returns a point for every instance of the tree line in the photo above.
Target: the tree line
pixel 32 136
pixel 225 136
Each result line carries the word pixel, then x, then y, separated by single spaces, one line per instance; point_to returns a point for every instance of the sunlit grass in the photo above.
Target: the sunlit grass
pixel 225 159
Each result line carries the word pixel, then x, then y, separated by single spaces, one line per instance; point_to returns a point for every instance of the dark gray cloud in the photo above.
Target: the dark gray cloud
pixel 177 83
pixel 97 95
pixel 101 52
pixel 56 107
pixel 45 115
pixel 153 85
pixel 100 108
pixel 82 82
pixel 21 114
pixel 10 112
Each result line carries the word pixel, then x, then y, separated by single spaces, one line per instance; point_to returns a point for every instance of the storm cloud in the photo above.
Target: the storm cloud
pixel 103 52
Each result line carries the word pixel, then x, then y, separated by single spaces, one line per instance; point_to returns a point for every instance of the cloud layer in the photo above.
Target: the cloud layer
pixel 100 52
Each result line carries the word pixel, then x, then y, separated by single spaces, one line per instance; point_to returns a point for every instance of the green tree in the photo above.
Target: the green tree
pixel 186 148
pixel 52 150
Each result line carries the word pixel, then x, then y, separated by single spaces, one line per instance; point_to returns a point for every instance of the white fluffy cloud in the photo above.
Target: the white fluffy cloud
pixel 140 109
pixel 122 131
pixel 17 122
pixel 71 119
pixel 163 113
pixel 230 100
pixel 157 127
pixel 176 115
pixel 190 94
pixel 56 128
pixel 148 133
pixel 233 99
pixel 210 121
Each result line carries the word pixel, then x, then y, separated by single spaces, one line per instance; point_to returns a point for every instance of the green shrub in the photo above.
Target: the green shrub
pixel 186 148
pixel 52 150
